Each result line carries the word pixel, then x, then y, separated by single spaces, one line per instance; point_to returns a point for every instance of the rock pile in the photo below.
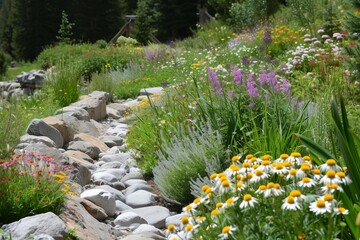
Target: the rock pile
pixel 31 81
pixel 10 90
pixel 114 202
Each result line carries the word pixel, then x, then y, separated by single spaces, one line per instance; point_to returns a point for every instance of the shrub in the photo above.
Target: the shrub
pixel 101 43
pixel 247 13
pixel 190 154
pixel 126 41
pixel 64 83
pixel 31 184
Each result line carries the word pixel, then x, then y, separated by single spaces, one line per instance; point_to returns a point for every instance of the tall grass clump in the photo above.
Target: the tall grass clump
pixel 31 184
pixel 190 154
pixel 64 83
pixel 15 116
pixel 347 143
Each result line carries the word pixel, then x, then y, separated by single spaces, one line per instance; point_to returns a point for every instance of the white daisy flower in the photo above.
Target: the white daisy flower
pixel 279 168
pixel 306 182
pixel 316 174
pixel 266 166
pixel 292 174
pixel 230 201
pixel 248 200
pixel 282 158
pixel 331 188
pixel 330 177
pixel 290 203
pixel 295 158
pixel 273 189
pixel 226 231
pixel 330 164
pixel 259 175
pixel 343 178
pixel 341 210
pixel 296 194
pixel 261 189
pixel 320 207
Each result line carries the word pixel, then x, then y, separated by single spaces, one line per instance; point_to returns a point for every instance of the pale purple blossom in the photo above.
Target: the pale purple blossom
pixel 214 81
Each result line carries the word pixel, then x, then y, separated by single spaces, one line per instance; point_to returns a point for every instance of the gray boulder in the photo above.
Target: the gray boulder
pixel 86 147
pixel 76 217
pixel 38 127
pixel 101 198
pixel 36 225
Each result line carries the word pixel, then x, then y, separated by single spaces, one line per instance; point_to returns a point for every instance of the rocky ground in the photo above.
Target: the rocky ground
pixel 114 200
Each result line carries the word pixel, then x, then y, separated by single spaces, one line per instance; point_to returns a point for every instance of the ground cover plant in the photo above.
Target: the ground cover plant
pixel 31 184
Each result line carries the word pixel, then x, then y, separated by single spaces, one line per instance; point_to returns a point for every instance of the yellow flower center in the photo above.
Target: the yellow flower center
pixel 239 185
pixel 259 172
pixel 292 172
pixel 219 205
pixel 213 176
pixel 247 197
pixel 265 162
pixel 341 174
pixel 249 156
pixel 266 157
pixel 197 200
pixel 277 186
pixel 306 180
pixel 284 156
pixel 215 212
pixel 328 197
pixel 270 185
pixel 188 227
pixel 262 187
pixel 188 207
pixel 320 203
pixel 334 186
pixel 226 229
pixel 171 227
pixel 230 201
pixel 184 220
pixel 287 164
pixel 253 159
pixel 341 209
pixel 246 165
pixel 234 168
pixel 279 166
pixel 305 167
pixel 235 158
pixel 290 200
pixel 295 154
pixel 295 193
pixel 238 176
pixel 330 162
pixel 331 174
pixel 225 184
pixel 255 166
pixel 316 171
pixel 204 188
pixel 306 158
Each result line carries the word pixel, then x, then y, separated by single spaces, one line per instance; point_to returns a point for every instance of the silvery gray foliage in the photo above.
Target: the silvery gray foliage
pixel 193 153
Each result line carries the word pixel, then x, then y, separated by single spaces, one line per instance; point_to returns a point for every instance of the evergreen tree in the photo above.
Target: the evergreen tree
pixel 35 24
pixel 177 18
pixel 5 27
pixel 146 17
pixel 97 19
pixel 65 31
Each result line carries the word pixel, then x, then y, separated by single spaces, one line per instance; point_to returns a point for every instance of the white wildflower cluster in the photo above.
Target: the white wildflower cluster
pixel 293 181
pixel 313 51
